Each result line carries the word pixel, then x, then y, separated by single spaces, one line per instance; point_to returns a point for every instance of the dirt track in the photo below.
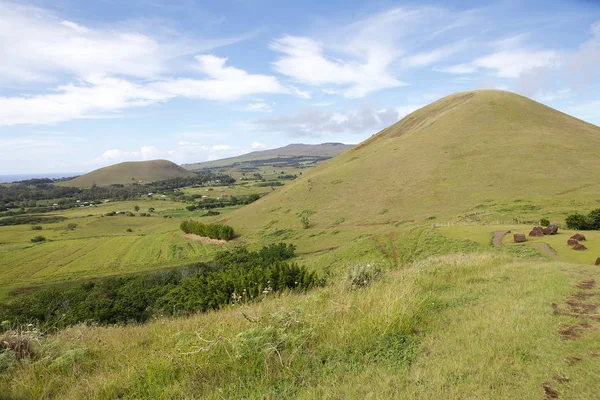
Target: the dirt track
pixel 498 235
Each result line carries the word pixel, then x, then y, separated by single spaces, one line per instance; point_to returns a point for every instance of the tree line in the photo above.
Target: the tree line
pixel 27 193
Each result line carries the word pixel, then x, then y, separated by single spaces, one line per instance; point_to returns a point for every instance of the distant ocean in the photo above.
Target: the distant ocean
pixel 22 177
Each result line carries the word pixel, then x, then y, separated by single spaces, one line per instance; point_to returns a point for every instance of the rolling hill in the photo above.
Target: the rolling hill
pixel 460 152
pixel 129 172
pixel 310 154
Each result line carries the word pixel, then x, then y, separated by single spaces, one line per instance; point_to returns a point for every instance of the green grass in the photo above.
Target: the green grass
pixel 456 326
pixel 98 246
pixel 558 243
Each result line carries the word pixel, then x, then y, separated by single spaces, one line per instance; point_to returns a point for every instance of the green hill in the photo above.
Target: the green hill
pixel 290 155
pixel 130 172
pixel 407 310
pixel 461 152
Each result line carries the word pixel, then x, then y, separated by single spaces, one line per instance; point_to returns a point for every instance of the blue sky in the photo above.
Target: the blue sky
pixel 84 84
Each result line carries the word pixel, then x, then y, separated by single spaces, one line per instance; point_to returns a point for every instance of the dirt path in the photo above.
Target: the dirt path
pixel 548 250
pixel 498 235
pixel 204 240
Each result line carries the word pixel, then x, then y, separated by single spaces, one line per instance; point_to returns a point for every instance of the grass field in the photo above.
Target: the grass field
pixel 457 326
pixel 98 246
pixel 557 244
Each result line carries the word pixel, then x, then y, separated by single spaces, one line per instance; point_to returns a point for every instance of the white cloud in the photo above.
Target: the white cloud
pixel 220 147
pixel 427 58
pixel 313 122
pixel 224 83
pixel 108 70
pixel 35 45
pixel 457 69
pixel 513 63
pixel 362 57
pixel 304 61
pixel 259 107
pixel 96 96
pixel 258 146
pixel 584 65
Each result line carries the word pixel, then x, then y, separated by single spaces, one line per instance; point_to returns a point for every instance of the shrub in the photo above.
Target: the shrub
pixel 213 231
pixel 362 275
pixel 129 230
pixel 21 344
pixel 594 217
pixel 305 222
pixel 544 222
pixel 71 226
pixel 36 228
pixel 38 239
pixel 579 222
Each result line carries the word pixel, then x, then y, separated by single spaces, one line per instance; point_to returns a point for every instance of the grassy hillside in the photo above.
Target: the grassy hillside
pixel 472 153
pixel 461 326
pixel 284 156
pixel 130 172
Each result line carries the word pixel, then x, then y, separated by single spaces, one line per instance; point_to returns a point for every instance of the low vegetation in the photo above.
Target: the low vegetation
pixel 579 221
pixel 239 276
pixel 213 231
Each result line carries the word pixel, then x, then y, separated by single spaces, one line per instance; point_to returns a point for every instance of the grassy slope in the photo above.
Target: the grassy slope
pixel 129 172
pixel 467 326
pixel 98 246
pixel 292 150
pixel 444 159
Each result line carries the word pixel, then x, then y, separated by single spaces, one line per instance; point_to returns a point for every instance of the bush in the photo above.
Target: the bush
pixel 544 222
pixel 36 228
pixel 362 275
pixel 305 222
pixel 71 226
pixel 213 231
pixel 580 222
pixel 38 239
pixel 129 230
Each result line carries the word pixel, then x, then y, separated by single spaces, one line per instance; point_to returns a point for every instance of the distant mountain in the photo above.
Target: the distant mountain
pixel 130 172
pixel 298 153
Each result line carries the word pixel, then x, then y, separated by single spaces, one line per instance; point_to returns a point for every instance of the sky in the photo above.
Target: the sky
pixel 85 84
